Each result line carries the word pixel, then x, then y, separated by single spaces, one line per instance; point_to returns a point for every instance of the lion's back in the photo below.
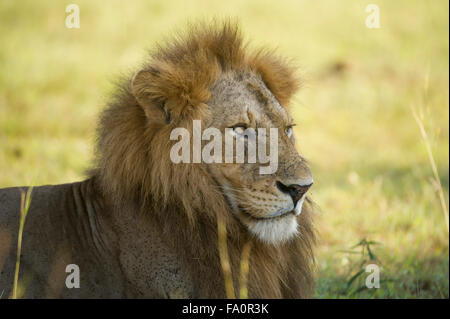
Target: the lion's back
pixel 56 234
pixel 42 237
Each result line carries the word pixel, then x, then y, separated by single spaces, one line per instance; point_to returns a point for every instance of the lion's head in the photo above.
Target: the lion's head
pixel 210 75
pixel 268 204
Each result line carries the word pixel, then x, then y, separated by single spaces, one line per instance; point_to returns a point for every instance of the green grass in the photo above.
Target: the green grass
pixel 355 125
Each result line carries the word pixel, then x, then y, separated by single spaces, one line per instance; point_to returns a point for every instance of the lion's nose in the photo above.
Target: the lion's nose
pixel 296 191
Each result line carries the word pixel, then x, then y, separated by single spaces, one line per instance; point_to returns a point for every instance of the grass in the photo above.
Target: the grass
pixel 225 263
pixel 225 258
pixel 25 202
pixel 371 165
pixel 437 179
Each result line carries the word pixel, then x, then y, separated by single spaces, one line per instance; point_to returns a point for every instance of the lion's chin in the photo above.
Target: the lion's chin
pixel 274 231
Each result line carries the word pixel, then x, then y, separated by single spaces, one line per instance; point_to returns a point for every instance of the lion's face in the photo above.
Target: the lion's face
pixel 211 77
pixel 267 204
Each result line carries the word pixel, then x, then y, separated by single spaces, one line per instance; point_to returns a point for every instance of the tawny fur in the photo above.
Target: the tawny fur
pixel 133 163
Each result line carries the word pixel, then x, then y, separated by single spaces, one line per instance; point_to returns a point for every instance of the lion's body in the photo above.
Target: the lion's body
pixel 58 232
pixel 118 254
pixel 142 226
pixel 70 224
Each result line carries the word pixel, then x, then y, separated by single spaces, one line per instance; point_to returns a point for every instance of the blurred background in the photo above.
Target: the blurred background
pixel 377 195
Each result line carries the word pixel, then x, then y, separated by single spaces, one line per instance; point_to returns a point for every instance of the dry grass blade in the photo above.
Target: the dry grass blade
pixel 24 206
pixel 245 261
pixel 224 258
pixel 424 134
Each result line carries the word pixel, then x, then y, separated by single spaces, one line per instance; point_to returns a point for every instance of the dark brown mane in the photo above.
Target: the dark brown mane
pixel 133 163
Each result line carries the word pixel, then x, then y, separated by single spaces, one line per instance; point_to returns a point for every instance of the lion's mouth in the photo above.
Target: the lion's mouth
pixel 277 215
pixel 246 213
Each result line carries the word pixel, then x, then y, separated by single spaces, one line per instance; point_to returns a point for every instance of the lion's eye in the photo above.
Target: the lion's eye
pixel 289 131
pixel 239 129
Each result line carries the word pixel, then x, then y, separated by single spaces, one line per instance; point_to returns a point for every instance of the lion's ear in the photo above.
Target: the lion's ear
pixel 180 89
pixel 146 95
pixel 277 73
pixel 140 84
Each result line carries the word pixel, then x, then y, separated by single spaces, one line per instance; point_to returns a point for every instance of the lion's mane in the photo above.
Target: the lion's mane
pixel 134 166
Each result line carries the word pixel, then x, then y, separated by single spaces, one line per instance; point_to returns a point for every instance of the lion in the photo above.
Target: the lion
pixel 141 226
